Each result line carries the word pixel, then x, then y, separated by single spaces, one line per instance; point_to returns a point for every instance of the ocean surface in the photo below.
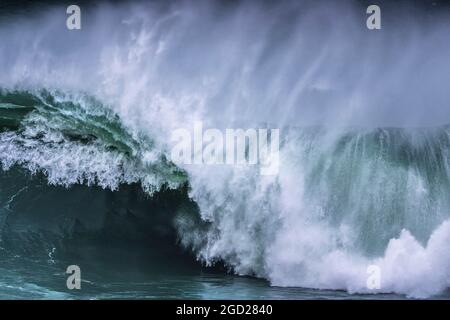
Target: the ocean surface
pixel 87 178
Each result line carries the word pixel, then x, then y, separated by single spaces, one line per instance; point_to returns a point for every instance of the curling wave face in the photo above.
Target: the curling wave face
pixel 343 200
pixel 346 197
pixel 75 139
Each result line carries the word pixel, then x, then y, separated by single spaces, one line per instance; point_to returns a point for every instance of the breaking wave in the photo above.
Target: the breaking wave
pixel 346 197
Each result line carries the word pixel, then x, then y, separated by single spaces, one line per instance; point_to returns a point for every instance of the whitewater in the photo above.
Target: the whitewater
pixel 364 174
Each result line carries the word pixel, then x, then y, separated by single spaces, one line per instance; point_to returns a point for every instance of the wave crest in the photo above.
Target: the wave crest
pixel 75 139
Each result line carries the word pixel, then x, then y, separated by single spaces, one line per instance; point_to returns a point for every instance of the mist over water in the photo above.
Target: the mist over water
pixel 294 62
pixel 364 173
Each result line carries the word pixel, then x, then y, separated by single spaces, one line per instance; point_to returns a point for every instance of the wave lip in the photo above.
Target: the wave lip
pixel 75 139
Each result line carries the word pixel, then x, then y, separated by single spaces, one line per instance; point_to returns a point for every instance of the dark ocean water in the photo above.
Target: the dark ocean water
pixel 123 242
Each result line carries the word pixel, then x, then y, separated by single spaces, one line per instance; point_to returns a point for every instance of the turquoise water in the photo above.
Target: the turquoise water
pixel 40 280
pixel 27 279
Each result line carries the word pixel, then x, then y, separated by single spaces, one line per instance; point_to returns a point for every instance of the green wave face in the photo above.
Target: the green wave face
pixel 85 120
pixel 379 181
pixel 14 107
pixel 41 126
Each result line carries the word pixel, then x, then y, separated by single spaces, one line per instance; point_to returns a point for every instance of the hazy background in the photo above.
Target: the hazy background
pixel 283 62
